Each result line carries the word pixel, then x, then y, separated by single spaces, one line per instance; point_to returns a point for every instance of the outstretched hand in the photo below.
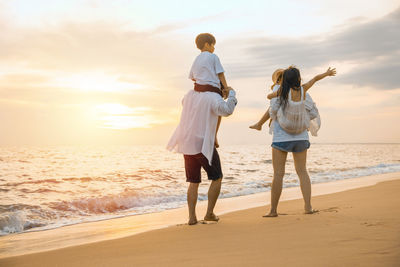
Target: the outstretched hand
pixel 331 72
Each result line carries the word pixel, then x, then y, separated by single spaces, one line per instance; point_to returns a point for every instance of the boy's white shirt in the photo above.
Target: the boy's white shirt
pixel 205 69
pixel 196 130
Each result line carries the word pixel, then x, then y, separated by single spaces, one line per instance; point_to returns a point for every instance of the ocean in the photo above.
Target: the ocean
pixel 48 187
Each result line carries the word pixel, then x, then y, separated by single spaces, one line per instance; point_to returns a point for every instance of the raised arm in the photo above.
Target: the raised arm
pixel 329 72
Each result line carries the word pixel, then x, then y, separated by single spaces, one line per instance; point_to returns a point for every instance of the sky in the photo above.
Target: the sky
pixel 114 72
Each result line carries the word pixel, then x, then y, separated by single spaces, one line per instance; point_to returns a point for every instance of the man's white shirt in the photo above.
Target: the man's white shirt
pixel 196 130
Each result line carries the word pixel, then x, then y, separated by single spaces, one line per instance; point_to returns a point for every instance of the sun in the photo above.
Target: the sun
pixel 118 116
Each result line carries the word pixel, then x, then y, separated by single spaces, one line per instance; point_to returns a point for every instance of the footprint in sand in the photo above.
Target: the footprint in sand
pixel 332 209
pixel 198 222
pixel 207 222
pixel 372 224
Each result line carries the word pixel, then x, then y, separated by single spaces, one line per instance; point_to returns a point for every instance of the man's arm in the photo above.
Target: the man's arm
pixel 225 108
pixel 329 72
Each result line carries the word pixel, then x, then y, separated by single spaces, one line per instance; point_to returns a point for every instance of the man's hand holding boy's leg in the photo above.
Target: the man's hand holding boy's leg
pixel 225 91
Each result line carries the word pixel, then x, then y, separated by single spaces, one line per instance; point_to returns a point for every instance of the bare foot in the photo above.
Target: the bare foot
pixel 256 127
pixel 311 211
pixel 211 217
pixel 216 142
pixel 271 214
pixel 192 221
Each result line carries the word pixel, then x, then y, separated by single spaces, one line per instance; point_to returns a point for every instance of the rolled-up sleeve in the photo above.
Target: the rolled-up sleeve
pixel 223 107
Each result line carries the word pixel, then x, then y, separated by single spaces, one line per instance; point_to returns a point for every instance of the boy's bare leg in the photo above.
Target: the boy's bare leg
pixel 278 162
pixel 213 193
pixel 216 132
pixel 261 122
pixel 192 200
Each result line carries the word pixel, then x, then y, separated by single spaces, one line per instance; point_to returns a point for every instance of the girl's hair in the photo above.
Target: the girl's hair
pixel 277 77
pixel 290 79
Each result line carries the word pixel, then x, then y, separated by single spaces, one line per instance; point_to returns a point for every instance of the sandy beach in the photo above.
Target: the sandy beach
pixel 357 227
pixel 125 125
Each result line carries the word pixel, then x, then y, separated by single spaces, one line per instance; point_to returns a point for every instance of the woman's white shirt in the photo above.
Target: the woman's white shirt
pixel 280 135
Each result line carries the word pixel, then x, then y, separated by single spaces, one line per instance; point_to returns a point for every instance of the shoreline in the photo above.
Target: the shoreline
pixel 111 229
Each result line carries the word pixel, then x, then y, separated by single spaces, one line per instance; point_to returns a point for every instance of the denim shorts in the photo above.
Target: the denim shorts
pixel 292 146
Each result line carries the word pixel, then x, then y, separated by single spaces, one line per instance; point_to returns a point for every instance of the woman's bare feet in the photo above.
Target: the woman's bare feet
pixel 271 214
pixel 211 217
pixel 256 126
pixel 192 221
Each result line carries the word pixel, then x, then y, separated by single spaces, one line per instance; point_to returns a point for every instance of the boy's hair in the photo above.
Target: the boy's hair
pixel 204 38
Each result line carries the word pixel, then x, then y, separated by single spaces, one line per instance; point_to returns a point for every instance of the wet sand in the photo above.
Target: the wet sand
pixel 357 227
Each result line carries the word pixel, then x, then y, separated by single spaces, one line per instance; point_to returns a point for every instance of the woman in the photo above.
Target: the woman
pixel 290 95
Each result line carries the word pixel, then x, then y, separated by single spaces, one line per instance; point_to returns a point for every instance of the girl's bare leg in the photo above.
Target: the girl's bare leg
pixel 260 123
pixel 300 159
pixel 278 162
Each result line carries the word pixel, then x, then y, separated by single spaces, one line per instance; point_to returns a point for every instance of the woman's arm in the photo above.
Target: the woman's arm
pixel 329 72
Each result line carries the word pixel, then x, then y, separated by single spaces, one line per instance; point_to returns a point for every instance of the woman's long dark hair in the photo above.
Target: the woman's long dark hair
pixel 290 79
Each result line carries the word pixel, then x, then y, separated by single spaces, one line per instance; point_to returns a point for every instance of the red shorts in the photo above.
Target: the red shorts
pixel 193 164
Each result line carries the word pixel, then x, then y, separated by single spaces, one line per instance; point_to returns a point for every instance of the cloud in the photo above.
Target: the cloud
pixel 23 79
pixel 380 74
pixel 372 46
pixel 170 27
pixel 89 46
pixel 33 61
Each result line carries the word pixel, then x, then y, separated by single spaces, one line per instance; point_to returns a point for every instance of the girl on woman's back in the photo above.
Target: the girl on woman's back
pixel 287 109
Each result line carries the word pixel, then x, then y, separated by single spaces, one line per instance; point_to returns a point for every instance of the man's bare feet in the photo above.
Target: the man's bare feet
pixel 256 126
pixel 271 214
pixel 211 217
pixel 192 221
pixel 311 211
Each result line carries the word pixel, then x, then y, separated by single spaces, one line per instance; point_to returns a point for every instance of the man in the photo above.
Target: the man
pixel 195 139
